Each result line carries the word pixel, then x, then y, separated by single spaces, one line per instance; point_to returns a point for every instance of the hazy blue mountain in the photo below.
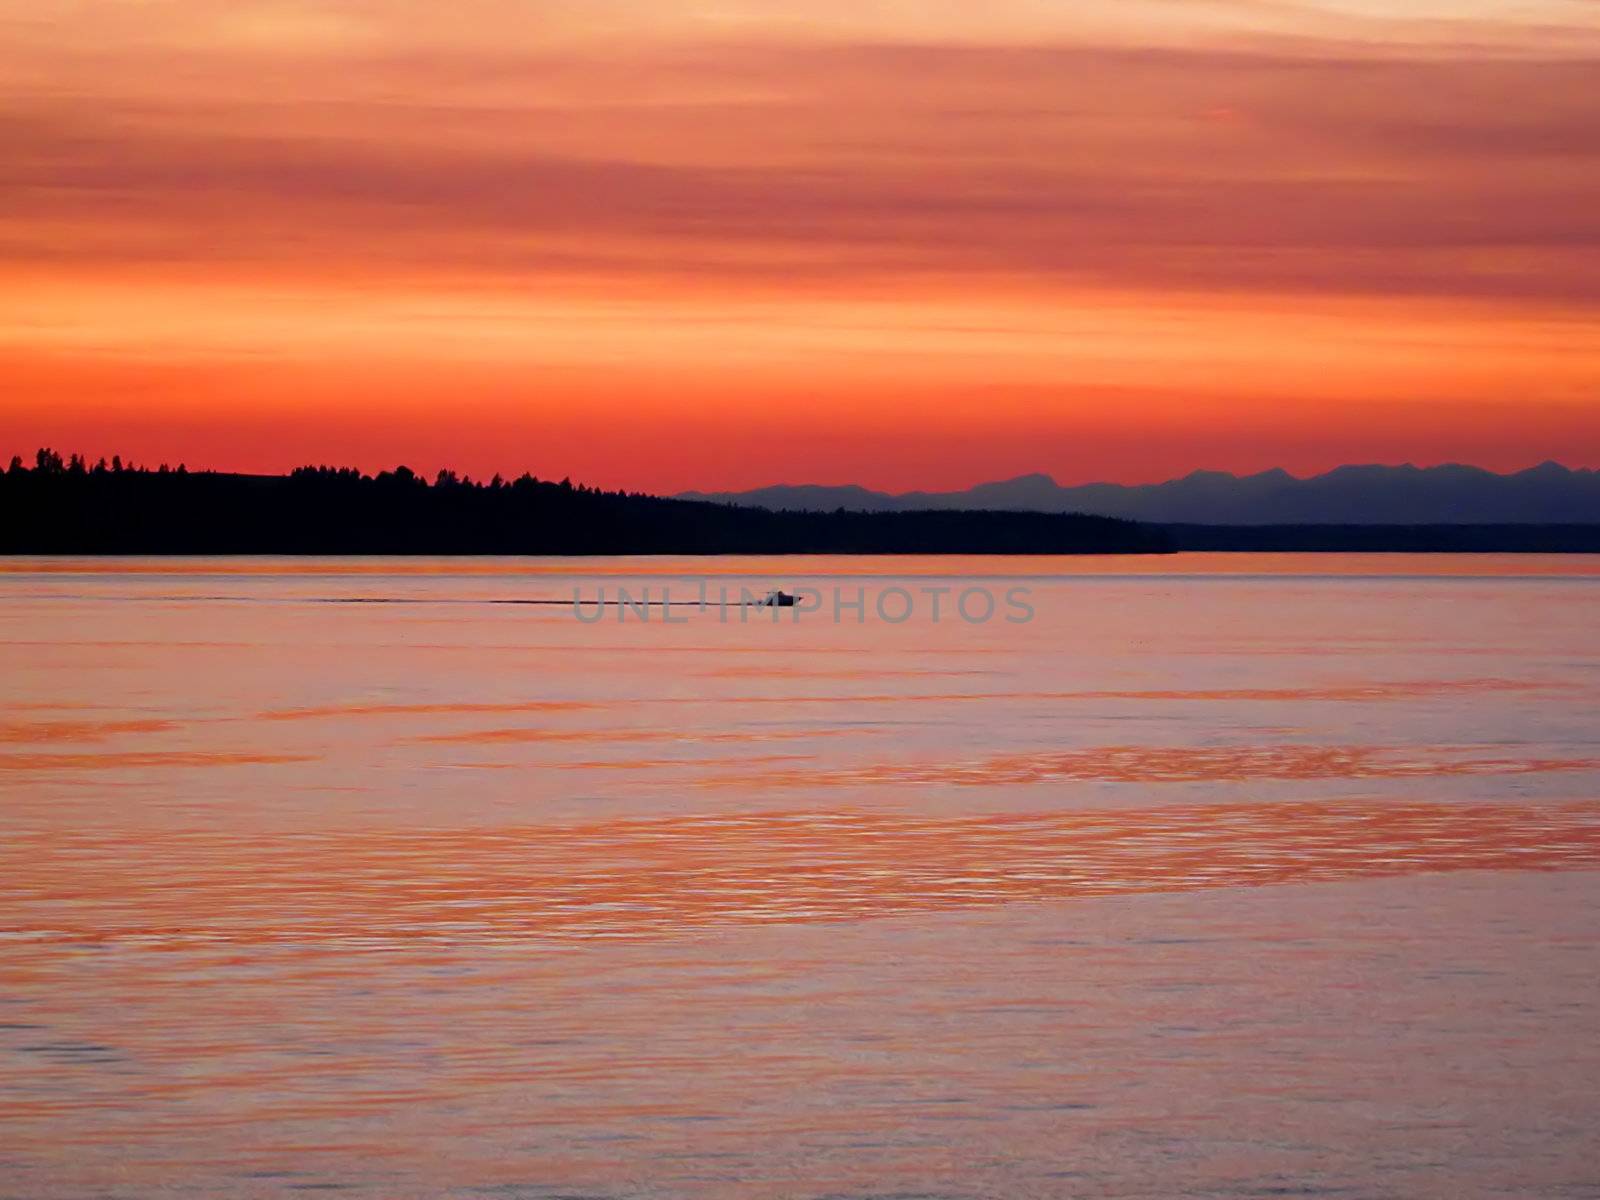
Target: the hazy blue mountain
pixel 1364 495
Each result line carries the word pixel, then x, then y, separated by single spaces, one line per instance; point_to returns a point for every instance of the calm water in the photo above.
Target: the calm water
pixel 1220 876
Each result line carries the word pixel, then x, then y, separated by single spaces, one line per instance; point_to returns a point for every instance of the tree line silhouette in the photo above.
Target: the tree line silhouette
pixel 68 506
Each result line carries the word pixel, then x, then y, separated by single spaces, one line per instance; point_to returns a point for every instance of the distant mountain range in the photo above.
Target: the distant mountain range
pixel 1354 495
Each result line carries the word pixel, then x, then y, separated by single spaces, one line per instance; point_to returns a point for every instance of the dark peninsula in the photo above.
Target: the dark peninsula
pixel 69 506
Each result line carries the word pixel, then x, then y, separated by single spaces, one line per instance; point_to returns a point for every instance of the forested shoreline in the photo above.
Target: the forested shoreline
pixel 70 506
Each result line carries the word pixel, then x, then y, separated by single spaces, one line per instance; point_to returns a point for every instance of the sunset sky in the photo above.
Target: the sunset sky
pixel 664 244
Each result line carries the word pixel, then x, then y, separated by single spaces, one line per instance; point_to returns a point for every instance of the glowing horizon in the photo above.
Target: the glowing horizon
pixel 662 247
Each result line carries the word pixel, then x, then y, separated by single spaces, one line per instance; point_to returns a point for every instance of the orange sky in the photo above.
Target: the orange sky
pixel 661 244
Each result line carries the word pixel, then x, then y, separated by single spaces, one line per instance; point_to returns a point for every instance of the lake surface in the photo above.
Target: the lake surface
pixel 1210 875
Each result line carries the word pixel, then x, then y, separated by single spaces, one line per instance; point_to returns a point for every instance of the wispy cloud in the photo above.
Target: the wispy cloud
pixel 1197 169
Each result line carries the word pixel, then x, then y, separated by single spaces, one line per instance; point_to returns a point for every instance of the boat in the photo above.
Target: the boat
pixel 778 599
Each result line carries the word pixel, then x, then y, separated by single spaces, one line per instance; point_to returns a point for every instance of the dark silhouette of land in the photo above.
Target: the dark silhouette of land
pixel 67 506
pixel 61 506
pixel 1391 539
pixel 1549 494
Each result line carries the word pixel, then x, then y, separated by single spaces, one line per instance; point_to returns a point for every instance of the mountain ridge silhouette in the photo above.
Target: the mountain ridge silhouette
pixel 1353 494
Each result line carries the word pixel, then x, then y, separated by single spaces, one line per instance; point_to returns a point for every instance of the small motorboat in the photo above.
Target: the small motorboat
pixel 778 599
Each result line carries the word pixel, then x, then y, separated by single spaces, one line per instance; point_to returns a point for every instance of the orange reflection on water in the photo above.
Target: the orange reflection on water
pixel 765 671
pixel 36 732
pixel 410 710
pixel 1381 690
pixel 642 877
pixel 138 759
pixel 491 736
pixel 1365 691
pixel 1175 764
